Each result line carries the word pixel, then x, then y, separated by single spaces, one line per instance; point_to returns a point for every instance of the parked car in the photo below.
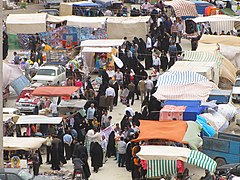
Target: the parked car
pixel 53 12
pixel 26 102
pixel 50 75
pixel 15 173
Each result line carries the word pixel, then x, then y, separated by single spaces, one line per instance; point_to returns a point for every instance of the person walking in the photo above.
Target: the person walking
pixel 174 31
pixel 16 58
pixel 36 163
pixel 131 88
pixel 90 113
pixel 110 94
pixel 149 86
pixel 49 147
pixel 122 146
pixel 142 88
pixel 104 148
pixel 180 30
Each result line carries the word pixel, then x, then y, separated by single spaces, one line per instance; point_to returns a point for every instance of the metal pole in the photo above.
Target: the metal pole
pixel 1 80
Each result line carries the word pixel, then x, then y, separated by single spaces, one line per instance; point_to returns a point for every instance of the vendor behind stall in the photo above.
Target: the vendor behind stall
pixel 102 64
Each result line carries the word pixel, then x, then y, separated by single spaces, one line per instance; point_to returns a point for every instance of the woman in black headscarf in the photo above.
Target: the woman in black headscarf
pixel 111 149
pixel 96 154
pixel 141 49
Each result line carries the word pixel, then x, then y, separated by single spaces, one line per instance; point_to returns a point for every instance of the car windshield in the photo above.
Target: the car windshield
pixel 46 72
pixel 237 83
pixel 25 175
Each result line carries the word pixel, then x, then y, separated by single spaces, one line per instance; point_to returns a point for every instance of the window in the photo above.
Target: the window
pixel 237 83
pixel 13 177
pixel 59 71
pixel 46 72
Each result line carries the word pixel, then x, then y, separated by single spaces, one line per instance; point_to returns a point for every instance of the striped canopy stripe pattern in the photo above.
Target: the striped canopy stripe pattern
pixel 180 78
pixel 200 159
pixel 183 8
pixel 158 168
pixel 202 56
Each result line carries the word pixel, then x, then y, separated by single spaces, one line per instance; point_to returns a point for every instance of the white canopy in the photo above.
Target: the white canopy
pixel 151 152
pixel 130 27
pixel 102 43
pixel 97 49
pixel 72 103
pixel 38 119
pixel 22 143
pixel 80 21
pixel 215 18
pixel 26 23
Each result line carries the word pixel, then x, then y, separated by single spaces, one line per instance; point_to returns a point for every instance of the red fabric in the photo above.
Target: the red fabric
pixel 180 166
pixel 55 91
pixel 79 84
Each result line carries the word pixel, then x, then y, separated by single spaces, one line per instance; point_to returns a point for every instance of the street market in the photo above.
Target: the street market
pixel 143 89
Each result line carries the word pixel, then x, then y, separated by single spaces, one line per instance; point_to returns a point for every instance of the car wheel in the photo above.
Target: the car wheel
pixel 220 161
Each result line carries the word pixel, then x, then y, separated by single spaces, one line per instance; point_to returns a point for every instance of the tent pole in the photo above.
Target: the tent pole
pixel 1 82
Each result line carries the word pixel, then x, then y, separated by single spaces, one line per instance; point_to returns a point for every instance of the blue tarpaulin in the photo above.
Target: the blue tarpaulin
pixel 19 84
pixel 193 108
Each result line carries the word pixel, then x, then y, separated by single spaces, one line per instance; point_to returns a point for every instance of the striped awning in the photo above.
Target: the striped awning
pixel 158 168
pixel 200 159
pixel 183 8
pixel 195 91
pixel 202 56
pixel 180 78
pixel 218 23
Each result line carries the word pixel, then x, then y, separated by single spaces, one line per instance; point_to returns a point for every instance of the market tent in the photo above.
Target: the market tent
pixel 22 143
pixel 183 85
pixel 218 23
pixel 38 119
pixel 80 21
pixel 227 70
pixel 102 43
pixel 130 27
pixel 183 8
pixel 26 23
pixel 197 158
pixel 153 152
pixel 223 39
pixel 166 130
pixel 97 49
pixel 54 91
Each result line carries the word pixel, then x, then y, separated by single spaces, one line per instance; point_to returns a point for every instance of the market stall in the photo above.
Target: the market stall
pixel 129 27
pixel 165 160
pixel 54 91
pixel 183 85
pixel 26 23
pixel 218 23
pixel 38 119
pixel 181 8
pixel 106 49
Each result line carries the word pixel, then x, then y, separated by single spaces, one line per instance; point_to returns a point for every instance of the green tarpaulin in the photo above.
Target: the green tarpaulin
pixel 13 42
